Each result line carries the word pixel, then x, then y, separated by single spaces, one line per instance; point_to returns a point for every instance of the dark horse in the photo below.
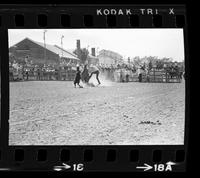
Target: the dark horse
pixel 174 73
pixel 85 75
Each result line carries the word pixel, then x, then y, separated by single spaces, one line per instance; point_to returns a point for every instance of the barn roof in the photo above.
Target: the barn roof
pixel 109 53
pixel 66 52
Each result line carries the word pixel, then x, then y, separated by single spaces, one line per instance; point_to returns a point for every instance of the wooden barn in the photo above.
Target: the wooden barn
pixel 38 53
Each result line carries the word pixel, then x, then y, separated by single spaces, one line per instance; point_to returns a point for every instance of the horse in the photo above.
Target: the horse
pixel 174 73
pixel 85 75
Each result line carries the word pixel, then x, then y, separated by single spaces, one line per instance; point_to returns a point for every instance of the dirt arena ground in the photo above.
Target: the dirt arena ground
pixel 55 113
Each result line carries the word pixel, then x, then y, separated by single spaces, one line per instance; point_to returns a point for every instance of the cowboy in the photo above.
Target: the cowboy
pixel 94 70
pixel 77 77
pixel 140 74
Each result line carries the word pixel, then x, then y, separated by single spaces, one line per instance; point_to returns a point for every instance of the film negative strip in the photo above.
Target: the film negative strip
pixel 94 88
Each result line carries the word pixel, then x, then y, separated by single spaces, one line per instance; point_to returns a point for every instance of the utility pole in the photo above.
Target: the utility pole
pixel 97 51
pixel 62 47
pixel 44 45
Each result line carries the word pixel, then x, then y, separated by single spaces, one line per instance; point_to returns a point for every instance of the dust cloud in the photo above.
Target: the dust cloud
pixel 105 82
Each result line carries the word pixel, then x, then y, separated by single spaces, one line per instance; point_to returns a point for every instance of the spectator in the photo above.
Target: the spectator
pixel 27 74
pixel 140 74
pixel 77 78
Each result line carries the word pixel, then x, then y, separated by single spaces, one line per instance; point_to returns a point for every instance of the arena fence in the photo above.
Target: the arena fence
pixel 160 76
pixel 52 75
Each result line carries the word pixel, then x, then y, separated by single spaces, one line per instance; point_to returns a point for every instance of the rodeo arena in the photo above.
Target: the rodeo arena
pixel 118 101
pixel 22 67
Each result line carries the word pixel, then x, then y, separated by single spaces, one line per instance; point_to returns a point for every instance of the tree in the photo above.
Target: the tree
pixel 82 54
pixel 165 59
pixel 137 61
pixel 150 65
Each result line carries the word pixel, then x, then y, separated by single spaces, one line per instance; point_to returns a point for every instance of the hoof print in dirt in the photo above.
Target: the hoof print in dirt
pixel 125 116
pixel 149 122
pixel 158 122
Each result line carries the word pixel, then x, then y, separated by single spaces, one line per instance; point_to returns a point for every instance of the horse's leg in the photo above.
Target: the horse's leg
pixel 97 77
pixel 90 75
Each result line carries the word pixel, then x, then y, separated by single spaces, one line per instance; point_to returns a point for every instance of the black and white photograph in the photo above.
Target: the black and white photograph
pixel 96 86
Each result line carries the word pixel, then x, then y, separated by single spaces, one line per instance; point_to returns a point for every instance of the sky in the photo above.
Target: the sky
pixel 127 42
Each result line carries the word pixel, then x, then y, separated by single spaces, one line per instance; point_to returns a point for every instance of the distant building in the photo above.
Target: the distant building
pixel 91 58
pixel 107 57
pixel 28 49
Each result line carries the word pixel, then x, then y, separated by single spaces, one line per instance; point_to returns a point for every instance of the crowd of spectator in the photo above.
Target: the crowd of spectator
pixel 40 72
pixel 120 72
